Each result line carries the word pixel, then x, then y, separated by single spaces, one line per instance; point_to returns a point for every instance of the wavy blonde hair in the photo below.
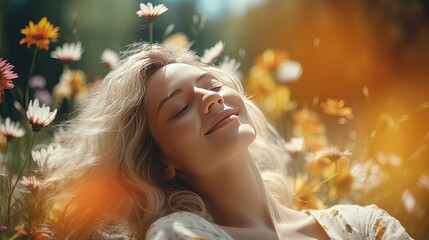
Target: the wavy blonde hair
pixel 107 178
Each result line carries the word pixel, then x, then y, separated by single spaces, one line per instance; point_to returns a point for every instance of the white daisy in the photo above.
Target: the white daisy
pixel 41 156
pixel 69 52
pixel 367 176
pixel 39 117
pixel 151 12
pixel 408 200
pixel 110 58
pixel 295 145
pixel 11 129
pixel 289 71
pixel 232 66
pixel 212 53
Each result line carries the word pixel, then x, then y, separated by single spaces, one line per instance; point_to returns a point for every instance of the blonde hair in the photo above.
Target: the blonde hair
pixel 107 177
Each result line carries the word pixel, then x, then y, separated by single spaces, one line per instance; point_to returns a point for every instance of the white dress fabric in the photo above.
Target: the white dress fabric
pixel 339 222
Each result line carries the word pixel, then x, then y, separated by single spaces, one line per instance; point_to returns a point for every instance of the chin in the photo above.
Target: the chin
pixel 247 131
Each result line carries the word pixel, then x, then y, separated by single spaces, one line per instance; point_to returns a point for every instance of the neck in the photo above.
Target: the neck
pixel 235 193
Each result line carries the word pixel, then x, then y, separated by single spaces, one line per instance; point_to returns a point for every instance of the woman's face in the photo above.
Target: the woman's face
pixel 198 121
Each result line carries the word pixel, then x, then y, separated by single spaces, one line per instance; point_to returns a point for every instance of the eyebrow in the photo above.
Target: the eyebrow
pixel 177 91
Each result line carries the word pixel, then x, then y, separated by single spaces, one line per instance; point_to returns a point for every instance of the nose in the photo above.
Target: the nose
pixel 210 100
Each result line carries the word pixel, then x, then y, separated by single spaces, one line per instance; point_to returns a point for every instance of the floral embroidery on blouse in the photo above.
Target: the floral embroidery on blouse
pixel 185 226
pixel 340 222
pixel 355 222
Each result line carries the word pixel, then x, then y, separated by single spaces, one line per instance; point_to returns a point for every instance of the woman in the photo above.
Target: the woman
pixel 169 148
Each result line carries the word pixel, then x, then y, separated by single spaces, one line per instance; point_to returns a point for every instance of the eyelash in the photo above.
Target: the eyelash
pixel 177 115
pixel 217 87
pixel 183 110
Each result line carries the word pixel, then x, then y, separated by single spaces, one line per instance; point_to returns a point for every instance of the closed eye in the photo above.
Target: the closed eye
pixel 217 87
pixel 181 112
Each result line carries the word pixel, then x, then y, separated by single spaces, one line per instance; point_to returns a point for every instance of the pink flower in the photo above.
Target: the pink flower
pixel 6 75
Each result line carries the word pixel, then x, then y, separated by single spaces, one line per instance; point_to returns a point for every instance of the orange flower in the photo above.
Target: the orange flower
pixel 336 107
pixel 39 34
pixel 309 125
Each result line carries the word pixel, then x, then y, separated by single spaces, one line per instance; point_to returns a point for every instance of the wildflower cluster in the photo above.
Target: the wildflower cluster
pixel 323 172
pixel 22 173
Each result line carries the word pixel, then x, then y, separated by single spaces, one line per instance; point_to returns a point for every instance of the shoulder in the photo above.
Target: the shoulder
pixel 356 222
pixel 184 225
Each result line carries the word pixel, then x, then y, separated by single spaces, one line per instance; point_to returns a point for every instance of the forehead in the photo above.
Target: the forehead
pixel 173 73
pixel 163 81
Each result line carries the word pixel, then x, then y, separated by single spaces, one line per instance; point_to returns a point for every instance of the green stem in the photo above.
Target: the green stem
pixel 318 184
pixel 5 151
pixel 151 31
pixel 30 73
pixel 21 171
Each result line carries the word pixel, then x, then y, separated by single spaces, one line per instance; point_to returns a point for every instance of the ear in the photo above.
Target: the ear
pixel 169 172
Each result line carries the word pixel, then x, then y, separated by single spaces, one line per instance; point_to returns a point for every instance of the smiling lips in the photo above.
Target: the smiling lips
pixel 222 119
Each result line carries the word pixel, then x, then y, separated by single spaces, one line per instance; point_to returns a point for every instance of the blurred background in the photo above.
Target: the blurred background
pixel 372 54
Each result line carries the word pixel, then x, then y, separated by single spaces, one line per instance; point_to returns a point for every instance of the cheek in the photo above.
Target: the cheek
pixel 236 100
pixel 178 138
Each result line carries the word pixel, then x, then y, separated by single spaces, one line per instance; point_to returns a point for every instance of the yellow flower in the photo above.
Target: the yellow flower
pixel 340 178
pixel 178 41
pixel 271 59
pixel 336 107
pixel 326 162
pixel 259 84
pixel 341 184
pixel 317 168
pixel 305 194
pixel 39 34
pixel 21 230
pixel 57 210
pixel 72 82
pixel 278 102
